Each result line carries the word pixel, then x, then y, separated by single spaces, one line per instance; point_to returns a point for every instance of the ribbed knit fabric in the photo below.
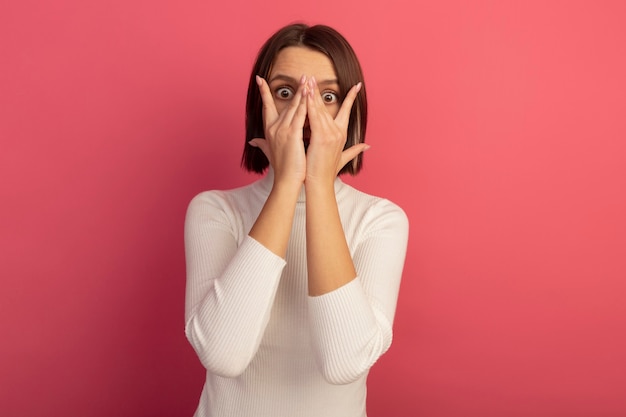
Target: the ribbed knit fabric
pixel 269 349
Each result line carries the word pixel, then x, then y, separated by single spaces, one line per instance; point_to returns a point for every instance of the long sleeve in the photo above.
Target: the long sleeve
pixel 269 348
pixel 352 326
pixel 231 285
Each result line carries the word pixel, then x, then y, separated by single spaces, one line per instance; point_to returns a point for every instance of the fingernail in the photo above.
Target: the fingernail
pixel 366 147
pixel 303 79
pixel 259 81
pixel 358 86
pixel 252 144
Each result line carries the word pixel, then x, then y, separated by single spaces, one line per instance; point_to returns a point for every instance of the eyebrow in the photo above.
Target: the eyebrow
pixel 291 80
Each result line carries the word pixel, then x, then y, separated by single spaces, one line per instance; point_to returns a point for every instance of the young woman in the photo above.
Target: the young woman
pixel 292 281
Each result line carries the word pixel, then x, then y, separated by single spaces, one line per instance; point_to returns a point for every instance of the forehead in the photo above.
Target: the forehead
pixel 296 61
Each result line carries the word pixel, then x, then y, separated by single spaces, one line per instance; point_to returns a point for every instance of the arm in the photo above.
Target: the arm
pixel 283 148
pixel 353 298
pixel 329 262
pixel 230 287
pixel 352 326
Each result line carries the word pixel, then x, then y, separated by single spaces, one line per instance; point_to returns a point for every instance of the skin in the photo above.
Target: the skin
pixel 300 105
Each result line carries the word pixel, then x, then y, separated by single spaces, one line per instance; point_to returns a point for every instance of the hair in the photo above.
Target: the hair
pixel 332 44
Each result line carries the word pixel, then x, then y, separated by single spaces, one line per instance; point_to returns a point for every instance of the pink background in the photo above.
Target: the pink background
pixel 498 126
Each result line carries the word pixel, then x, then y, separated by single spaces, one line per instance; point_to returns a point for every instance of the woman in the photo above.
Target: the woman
pixel 292 281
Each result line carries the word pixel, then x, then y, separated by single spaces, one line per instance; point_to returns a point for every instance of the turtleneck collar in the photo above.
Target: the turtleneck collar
pixel 268 181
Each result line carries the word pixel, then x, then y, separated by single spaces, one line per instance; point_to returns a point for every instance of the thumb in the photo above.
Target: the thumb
pixel 262 145
pixel 351 153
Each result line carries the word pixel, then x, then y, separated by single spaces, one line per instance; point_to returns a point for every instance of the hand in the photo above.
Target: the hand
pixel 326 155
pixel 283 145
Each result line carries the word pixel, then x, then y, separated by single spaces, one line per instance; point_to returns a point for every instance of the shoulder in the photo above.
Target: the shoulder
pixel 220 198
pixel 359 201
pixel 223 203
pixel 371 211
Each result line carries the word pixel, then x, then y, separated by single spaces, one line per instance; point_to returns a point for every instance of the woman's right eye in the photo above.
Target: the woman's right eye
pixel 284 93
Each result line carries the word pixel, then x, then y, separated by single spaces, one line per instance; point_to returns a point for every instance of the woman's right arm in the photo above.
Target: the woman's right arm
pixel 231 287
pixel 284 149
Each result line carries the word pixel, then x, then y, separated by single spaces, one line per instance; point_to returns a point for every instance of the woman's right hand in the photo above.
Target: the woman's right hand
pixel 283 143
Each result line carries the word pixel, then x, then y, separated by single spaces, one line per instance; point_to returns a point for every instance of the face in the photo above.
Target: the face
pixel 290 65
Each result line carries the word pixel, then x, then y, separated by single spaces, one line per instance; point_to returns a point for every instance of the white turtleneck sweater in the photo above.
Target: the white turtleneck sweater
pixel 270 349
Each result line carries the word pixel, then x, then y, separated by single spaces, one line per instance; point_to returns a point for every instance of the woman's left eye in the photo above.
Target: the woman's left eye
pixel 329 97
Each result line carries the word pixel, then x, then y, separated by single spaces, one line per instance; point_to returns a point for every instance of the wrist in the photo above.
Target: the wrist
pixel 319 188
pixel 287 185
pixel 320 182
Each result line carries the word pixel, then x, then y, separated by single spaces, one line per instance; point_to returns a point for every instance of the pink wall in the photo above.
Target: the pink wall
pixel 499 126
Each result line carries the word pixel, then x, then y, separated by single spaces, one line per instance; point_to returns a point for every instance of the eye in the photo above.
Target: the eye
pixel 284 93
pixel 330 97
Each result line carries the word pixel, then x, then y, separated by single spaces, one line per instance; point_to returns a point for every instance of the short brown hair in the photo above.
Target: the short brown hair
pixel 332 44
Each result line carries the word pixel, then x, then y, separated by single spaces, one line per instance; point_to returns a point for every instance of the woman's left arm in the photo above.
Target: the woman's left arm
pixel 329 263
pixel 352 325
pixel 352 301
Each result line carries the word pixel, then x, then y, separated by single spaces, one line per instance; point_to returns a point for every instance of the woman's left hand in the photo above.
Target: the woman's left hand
pixel 325 154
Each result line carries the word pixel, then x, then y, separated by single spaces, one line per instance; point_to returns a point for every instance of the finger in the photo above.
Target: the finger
pixel 296 104
pixel 301 111
pixel 315 106
pixel 343 116
pixel 263 145
pixel 351 153
pixel 270 114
